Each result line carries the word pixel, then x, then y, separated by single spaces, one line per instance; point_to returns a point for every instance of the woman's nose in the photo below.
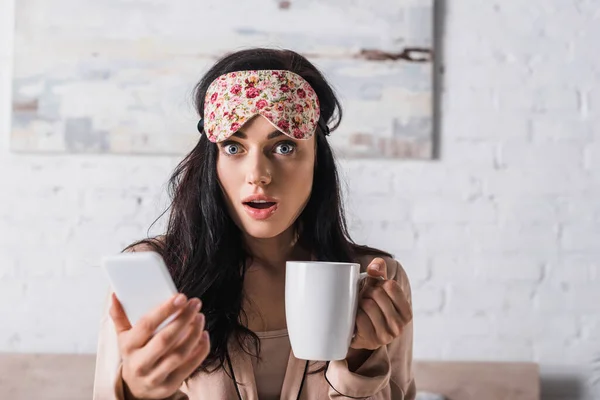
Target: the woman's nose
pixel 259 174
pixel 259 179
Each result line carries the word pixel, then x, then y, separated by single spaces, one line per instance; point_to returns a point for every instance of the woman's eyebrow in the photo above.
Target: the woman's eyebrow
pixel 271 135
pixel 240 135
pixel 274 134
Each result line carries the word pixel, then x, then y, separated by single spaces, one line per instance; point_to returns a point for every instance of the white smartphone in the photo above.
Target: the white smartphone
pixel 141 282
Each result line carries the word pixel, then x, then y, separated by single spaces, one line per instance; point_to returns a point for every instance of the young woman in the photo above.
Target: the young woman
pixel 260 188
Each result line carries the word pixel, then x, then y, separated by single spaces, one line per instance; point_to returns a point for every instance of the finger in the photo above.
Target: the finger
pixel 194 360
pixel 377 268
pixel 178 356
pixel 397 296
pixel 172 335
pixel 393 318
pixel 117 314
pixel 144 329
pixel 370 307
pixel 365 331
pixel 199 319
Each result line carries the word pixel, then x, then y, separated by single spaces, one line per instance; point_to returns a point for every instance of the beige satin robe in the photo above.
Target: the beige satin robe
pixel 385 375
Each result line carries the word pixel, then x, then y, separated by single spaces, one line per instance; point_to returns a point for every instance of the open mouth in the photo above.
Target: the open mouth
pixel 260 204
pixel 260 209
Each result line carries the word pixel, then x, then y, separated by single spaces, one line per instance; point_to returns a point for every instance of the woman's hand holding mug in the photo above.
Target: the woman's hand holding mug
pixel 383 311
pixel 155 365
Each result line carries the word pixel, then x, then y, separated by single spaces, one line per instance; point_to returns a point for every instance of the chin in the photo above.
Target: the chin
pixel 263 230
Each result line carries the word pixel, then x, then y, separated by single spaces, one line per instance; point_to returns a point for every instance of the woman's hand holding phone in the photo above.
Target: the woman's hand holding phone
pixel 155 365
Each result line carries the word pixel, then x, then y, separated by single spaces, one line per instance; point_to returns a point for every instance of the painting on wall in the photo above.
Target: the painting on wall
pixel 117 76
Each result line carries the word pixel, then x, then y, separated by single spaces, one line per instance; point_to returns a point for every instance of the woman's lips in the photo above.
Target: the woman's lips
pixel 262 213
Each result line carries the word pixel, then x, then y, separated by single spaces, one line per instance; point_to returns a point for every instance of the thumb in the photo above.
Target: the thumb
pixel 117 313
pixel 377 268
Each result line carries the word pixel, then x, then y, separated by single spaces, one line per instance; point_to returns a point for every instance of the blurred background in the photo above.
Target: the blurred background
pixel 499 230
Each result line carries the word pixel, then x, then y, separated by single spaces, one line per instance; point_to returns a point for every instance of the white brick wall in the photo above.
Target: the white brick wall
pixel 501 236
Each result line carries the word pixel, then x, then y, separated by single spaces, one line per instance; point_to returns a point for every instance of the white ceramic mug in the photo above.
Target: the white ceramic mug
pixel 321 300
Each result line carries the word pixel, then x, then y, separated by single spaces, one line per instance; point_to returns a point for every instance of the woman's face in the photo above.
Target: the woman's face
pixel 266 177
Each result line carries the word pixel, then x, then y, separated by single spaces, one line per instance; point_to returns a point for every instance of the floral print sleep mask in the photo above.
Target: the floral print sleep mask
pixel 284 98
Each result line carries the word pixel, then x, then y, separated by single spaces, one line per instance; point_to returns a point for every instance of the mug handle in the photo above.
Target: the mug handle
pixel 364 275
pixel 361 279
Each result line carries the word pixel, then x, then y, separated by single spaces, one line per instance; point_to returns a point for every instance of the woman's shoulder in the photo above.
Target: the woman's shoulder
pixel 395 270
pixel 149 244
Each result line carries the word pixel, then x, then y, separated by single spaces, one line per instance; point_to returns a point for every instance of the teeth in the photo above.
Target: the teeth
pixel 258 201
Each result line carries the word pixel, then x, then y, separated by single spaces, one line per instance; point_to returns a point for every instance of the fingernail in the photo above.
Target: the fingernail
pixel 199 319
pixel 192 304
pixel 199 305
pixel 179 300
pixel 376 267
pixel 205 335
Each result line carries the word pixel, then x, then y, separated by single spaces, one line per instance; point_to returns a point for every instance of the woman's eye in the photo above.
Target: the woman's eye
pixel 285 148
pixel 231 149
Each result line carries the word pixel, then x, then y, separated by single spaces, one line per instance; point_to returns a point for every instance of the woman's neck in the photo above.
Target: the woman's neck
pixel 272 253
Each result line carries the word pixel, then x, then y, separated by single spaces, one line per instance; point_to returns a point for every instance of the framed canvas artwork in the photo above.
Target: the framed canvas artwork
pixel 117 76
